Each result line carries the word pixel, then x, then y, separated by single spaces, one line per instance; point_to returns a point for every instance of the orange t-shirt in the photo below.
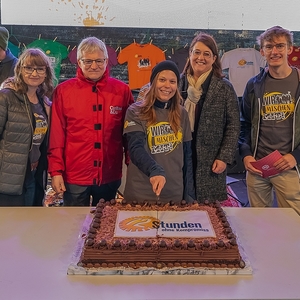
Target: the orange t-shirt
pixel 141 60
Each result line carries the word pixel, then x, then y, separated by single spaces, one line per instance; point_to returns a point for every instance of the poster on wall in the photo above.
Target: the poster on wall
pixel 214 14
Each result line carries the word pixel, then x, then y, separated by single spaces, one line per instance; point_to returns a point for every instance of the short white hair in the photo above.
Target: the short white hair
pixel 91 44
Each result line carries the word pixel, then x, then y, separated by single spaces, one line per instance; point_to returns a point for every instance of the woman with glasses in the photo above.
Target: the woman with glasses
pixel 213 111
pixel 270 118
pixel 24 113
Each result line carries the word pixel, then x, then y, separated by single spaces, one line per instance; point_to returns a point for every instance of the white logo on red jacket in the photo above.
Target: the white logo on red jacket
pixel 114 110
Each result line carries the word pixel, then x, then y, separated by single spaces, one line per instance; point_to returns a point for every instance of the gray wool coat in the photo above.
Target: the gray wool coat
pixel 216 137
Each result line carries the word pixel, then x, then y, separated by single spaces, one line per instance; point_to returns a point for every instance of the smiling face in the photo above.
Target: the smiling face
pixel 201 59
pixel 32 74
pixel 276 52
pixel 166 85
pixel 95 70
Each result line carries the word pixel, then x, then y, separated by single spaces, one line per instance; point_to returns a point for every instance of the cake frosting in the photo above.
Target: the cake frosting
pixel 134 235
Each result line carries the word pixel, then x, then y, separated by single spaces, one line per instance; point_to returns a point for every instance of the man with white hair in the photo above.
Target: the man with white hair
pixel 86 134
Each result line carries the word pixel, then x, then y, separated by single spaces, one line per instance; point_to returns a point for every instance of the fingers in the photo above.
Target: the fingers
pixel 219 166
pixel 58 184
pixel 287 162
pixel 157 182
pixel 248 166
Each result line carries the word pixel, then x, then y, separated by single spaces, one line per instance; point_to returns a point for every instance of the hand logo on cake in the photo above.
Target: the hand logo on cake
pixel 140 223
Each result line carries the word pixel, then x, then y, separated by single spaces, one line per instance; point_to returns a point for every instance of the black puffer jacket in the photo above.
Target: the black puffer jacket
pixel 16 129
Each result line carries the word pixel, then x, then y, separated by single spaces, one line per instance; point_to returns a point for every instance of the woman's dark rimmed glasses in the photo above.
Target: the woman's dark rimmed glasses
pixel 30 70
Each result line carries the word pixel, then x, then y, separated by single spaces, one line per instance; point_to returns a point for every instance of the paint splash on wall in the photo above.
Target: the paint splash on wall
pixel 87 13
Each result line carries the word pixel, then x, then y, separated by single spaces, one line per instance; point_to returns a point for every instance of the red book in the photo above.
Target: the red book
pixel 266 163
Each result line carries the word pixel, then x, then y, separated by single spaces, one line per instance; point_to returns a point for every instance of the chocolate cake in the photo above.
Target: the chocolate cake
pixel 123 235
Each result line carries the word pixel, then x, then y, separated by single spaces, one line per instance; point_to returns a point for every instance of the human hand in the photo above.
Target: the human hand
pixel 248 166
pixel 285 163
pixel 58 184
pixel 218 166
pixel 157 182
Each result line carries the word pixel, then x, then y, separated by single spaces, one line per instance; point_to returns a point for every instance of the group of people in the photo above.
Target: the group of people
pixel 176 141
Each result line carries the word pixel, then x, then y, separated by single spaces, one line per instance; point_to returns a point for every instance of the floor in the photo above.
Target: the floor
pixel 236 179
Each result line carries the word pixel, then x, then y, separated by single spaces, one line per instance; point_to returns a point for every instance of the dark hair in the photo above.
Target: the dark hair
pixel 208 41
pixel 275 31
pixel 34 57
pixel 147 112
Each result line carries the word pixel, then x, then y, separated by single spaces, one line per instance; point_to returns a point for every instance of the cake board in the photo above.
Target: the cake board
pixel 74 269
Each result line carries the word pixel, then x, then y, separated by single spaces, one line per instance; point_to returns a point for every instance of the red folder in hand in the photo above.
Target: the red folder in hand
pixel 266 163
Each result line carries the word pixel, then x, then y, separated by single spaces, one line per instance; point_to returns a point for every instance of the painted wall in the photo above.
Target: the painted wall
pixel 168 39
pixel 180 14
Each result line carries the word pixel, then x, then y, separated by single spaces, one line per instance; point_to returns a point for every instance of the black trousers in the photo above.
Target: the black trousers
pixel 87 195
pixel 12 200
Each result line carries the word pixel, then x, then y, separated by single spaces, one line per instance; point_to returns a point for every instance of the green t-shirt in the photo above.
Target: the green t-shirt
pixel 56 51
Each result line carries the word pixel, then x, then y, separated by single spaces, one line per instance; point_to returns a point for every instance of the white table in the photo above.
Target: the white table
pixel 36 246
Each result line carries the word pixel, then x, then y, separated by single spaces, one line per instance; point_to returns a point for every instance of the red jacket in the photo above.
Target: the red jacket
pixel 86 141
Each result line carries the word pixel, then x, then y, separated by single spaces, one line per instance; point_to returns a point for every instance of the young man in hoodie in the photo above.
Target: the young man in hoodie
pixel 270 119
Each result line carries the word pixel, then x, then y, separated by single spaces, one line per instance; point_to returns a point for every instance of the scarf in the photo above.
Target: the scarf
pixel 194 92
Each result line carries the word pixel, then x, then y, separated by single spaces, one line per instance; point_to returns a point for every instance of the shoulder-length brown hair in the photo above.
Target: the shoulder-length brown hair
pixel 209 42
pixel 147 111
pixel 34 57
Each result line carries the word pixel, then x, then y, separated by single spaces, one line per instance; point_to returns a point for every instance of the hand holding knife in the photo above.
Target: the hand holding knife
pixel 157 182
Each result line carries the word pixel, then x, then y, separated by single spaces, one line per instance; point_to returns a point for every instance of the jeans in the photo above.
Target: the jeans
pixel 86 195
pixel 29 188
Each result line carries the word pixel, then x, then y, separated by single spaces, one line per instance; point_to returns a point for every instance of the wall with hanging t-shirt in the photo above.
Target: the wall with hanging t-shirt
pixel 241 64
pixel 169 41
pixel 60 42
pixel 140 59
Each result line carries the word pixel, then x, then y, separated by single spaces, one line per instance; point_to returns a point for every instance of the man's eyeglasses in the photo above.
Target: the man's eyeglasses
pixel 30 70
pixel 206 54
pixel 88 62
pixel 279 47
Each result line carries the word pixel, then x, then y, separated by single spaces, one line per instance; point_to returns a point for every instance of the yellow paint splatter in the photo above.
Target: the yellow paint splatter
pixel 93 12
